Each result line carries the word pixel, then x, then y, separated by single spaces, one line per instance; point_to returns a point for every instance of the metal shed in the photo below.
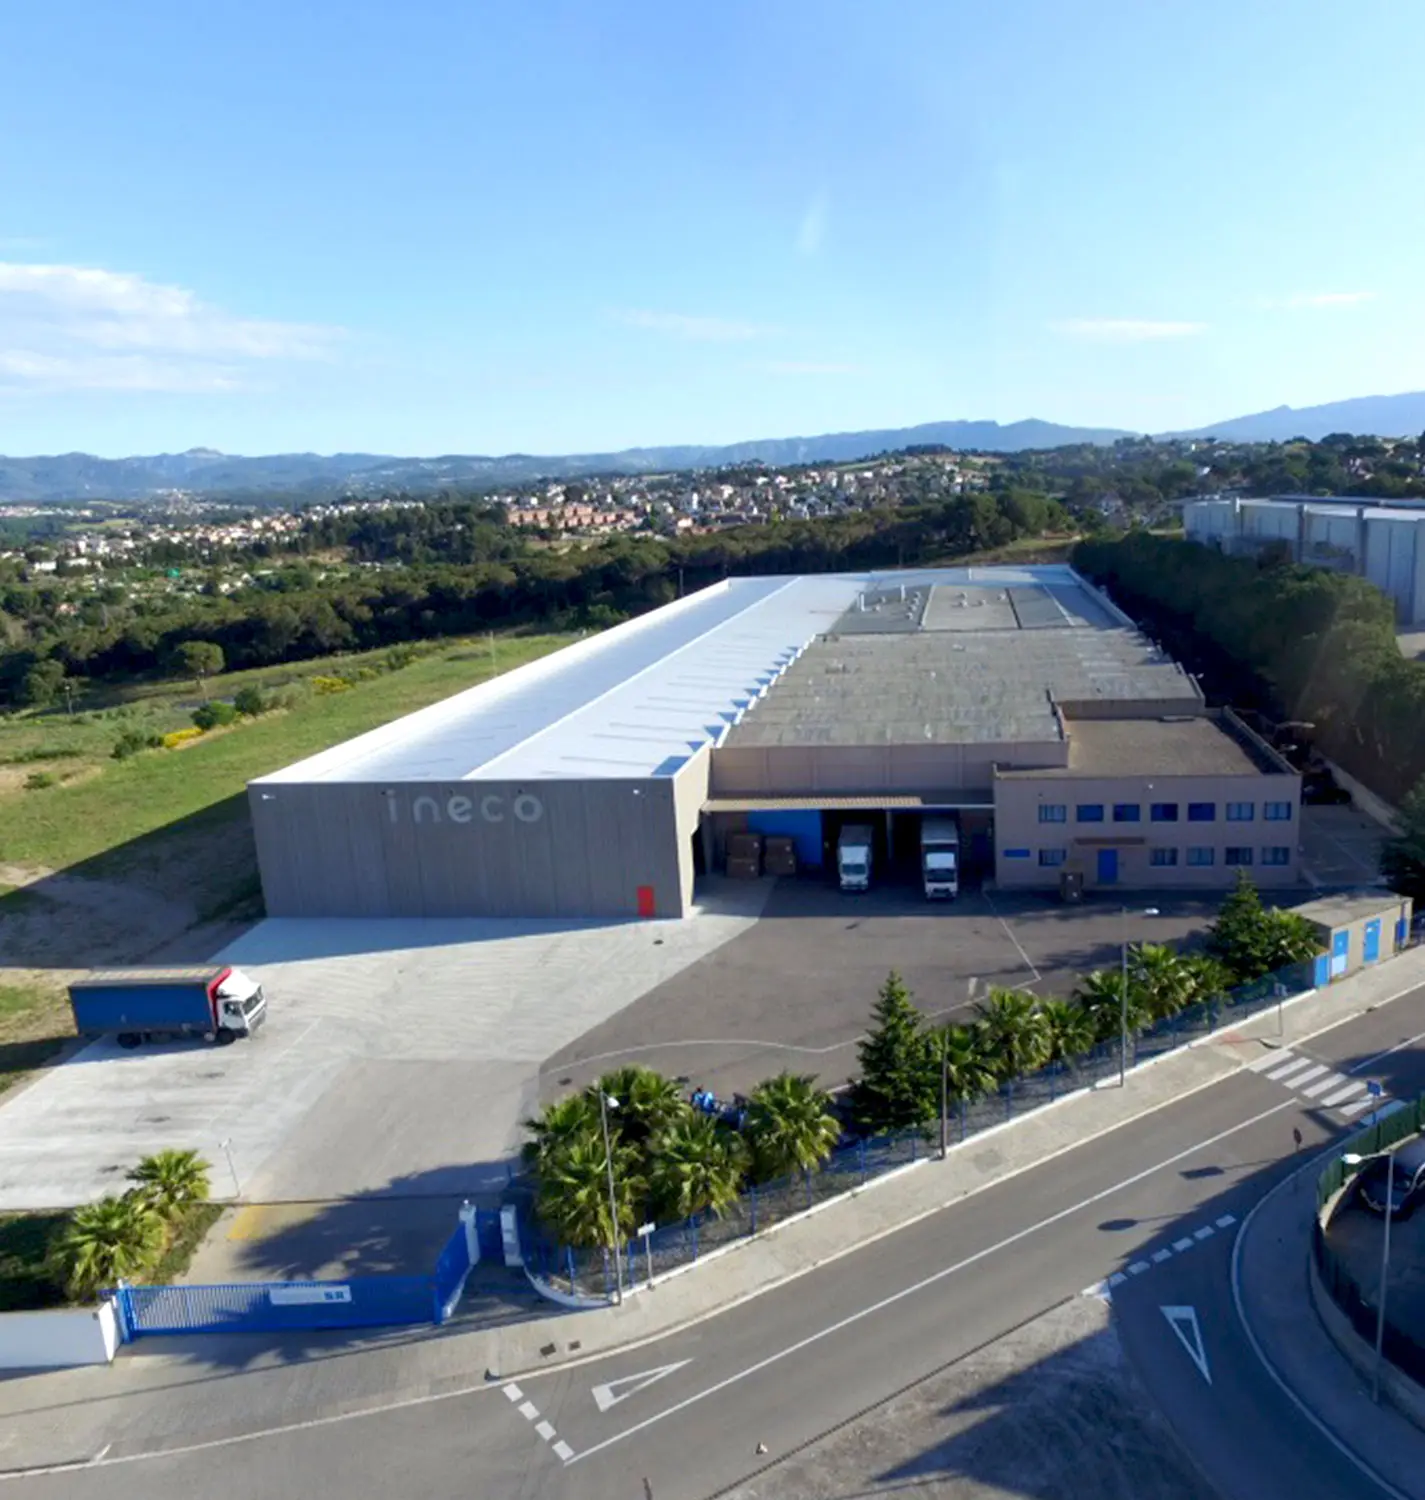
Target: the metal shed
pixel 1358 929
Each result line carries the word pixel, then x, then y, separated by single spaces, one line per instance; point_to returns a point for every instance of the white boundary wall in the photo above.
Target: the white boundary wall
pixel 64 1336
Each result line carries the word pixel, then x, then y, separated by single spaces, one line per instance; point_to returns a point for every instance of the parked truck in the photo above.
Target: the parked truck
pixel 853 856
pixel 940 857
pixel 215 1002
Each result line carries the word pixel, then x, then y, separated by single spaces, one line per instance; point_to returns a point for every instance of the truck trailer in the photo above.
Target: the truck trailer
pixel 853 856
pixel 940 857
pixel 214 1001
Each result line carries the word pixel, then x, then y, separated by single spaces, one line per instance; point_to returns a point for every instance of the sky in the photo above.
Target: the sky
pixel 543 226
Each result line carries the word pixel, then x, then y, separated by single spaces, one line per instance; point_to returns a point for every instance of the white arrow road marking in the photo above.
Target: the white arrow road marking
pixel 1183 1322
pixel 604 1396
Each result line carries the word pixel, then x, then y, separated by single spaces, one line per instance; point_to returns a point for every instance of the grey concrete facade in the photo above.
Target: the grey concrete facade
pixel 462 848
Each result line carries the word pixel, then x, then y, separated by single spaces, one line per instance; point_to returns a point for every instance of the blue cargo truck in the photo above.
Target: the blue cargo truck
pixel 215 1002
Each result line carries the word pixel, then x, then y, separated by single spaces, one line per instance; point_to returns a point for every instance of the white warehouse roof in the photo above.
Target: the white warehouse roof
pixel 639 699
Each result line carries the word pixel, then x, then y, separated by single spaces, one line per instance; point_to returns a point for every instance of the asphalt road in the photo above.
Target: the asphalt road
pixel 687 1413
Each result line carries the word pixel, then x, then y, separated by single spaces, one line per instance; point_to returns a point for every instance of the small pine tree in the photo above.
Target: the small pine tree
pixel 1237 938
pixel 899 1082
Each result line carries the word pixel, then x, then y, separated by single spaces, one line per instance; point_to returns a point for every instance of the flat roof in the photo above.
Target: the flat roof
pixel 1170 745
pixel 967 664
pixel 640 699
pixel 1346 907
pixel 952 800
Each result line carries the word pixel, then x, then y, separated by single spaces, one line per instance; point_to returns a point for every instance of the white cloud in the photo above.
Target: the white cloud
pixel 809 367
pixel 698 329
pixel 82 328
pixel 1126 330
pixel 1328 299
pixel 811 232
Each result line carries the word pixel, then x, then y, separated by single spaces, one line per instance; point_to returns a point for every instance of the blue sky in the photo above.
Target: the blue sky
pixel 544 226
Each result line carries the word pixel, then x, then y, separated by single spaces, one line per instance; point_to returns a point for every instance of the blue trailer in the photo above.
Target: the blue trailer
pixel 213 1001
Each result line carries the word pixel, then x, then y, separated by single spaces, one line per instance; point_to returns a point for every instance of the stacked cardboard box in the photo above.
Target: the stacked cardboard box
pixel 744 855
pixel 781 855
pixel 743 868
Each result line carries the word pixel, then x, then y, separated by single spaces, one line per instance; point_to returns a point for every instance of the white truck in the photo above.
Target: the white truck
pixel 853 857
pixel 940 857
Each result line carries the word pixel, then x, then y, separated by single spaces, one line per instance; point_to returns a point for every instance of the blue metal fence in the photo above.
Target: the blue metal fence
pixel 591 1273
pixel 451 1268
pixel 277 1306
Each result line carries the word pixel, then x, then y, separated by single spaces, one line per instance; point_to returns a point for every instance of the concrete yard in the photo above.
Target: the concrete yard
pixel 398 1058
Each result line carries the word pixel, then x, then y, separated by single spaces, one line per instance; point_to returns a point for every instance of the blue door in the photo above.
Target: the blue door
pixel 1108 866
pixel 1372 945
pixel 1340 952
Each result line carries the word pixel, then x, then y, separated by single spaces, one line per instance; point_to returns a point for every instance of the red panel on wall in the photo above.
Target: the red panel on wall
pixel 645 901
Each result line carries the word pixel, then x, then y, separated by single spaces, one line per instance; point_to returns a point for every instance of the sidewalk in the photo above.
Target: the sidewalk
pixel 167 1393
pixel 1272 1271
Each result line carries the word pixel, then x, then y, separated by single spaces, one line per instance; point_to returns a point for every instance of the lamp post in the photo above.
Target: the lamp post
pixel 944 1092
pixel 226 1147
pixel 606 1103
pixel 1352 1159
pixel 1147 911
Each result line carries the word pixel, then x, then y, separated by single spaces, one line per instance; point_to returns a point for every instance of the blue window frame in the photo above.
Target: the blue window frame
pixel 1163 812
pixel 1276 854
pixel 1202 812
pixel 1053 812
pixel 1051 858
pixel 1127 812
pixel 1237 856
pixel 1202 855
pixel 1089 812
pixel 1241 812
pixel 1276 812
pixel 1162 857
pixel 1015 853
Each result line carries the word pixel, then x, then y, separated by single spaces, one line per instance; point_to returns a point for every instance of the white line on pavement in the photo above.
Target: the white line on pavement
pixel 1317 1089
pixel 1183 1244
pixel 514 1392
pixel 1277 1074
pixel 1159 1256
pixel 1203 1233
pixel 545 1430
pixel 564 1450
pixel 1307 1076
pixel 529 1411
pixel 1226 1221
pixel 938 1276
pixel 1341 1097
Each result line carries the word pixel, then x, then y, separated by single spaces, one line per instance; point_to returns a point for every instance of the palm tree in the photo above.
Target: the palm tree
pixel 559 1124
pixel 105 1241
pixel 647 1103
pixel 1163 980
pixel 170 1180
pixel 1013 1036
pixel 790 1126
pixel 697 1165
pixel 1210 979
pixel 573 1193
pixel 1101 996
pixel 1068 1031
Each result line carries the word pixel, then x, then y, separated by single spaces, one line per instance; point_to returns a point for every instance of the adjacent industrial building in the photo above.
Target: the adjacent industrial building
pixel 606 779
pixel 1380 542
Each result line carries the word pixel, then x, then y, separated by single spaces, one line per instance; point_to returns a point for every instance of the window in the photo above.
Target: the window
pixel 1015 853
pixel 1053 812
pixel 1126 812
pixel 1241 812
pixel 1202 812
pixel 1237 856
pixel 1162 857
pixel 1277 854
pixel 1089 812
pixel 1276 812
pixel 1050 858
pixel 1202 856
pixel 1164 812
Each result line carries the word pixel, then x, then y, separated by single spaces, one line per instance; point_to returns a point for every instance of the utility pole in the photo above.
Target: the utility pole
pixel 944 1092
pixel 605 1103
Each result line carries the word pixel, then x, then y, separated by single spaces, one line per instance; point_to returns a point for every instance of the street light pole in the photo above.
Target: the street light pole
pixel 944 1092
pixel 1148 911
pixel 604 1103
pixel 1384 1272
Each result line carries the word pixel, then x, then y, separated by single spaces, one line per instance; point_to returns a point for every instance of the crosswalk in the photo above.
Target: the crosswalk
pixel 1318 1083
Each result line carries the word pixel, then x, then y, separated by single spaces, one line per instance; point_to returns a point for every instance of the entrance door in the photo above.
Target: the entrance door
pixel 1372 944
pixel 1340 952
pixel 1108 866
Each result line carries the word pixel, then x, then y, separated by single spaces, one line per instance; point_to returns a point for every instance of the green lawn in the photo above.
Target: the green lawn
pixel 120 801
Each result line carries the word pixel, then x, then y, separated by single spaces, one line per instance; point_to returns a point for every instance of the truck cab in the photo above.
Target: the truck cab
pixel 240 1005
pixel 853 857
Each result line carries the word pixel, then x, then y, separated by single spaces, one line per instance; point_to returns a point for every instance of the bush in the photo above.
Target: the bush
pixel 400 657
pixel 213 715
pixel 131 741
pixel 37 781
pixel 249 702
pixel 180 737
pixel 323 685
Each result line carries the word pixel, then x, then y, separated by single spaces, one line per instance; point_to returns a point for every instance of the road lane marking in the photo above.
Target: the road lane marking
pixel 546 1430
pixel 529 1411
pixel 1307 1076
pixel 1159 1256
pixel 1348 1092
pixel 1277 1074
pixel 514 1392
pixel 1317 1089
pixel 1183 1322
pixel 1226 1221
pixel 563 1450
pixel 1183 1244
pixel 605 1397
pixel 1117 1279
pixel 1138 1267
pixel 1203 1233
pixel 933 1279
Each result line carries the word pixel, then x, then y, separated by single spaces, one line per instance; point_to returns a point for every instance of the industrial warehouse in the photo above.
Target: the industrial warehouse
pixel 607 779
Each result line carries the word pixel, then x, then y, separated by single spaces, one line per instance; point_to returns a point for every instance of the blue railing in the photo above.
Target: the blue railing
pixel 590 1273
pixel 277 1306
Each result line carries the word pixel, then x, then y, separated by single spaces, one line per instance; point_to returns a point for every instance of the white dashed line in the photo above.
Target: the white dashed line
pixel 514 1392
pixel 1159 1256
pixel 1203 1233
pixel 1340 1098
pixel 1138 1267
pixel 1181 1245
pixel 1226 1221
pixel 529 1411
pixel 564 1451
pixel 546 1431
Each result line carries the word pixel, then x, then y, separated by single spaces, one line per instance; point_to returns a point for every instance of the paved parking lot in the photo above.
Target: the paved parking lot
pixel 1340 847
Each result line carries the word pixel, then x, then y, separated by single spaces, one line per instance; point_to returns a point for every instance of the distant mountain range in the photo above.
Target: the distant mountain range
pixel 203 471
